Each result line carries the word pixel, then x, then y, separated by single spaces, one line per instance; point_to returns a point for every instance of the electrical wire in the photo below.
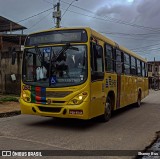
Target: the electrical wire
pixel 43 18
pixel 110 19
pixel 34 15
pixel 67 8
pixel 122 36
pixel 144 47
pixel 118 20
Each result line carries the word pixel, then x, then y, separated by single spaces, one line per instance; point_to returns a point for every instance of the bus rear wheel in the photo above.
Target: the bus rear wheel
pixel 138 104
pixel 107 111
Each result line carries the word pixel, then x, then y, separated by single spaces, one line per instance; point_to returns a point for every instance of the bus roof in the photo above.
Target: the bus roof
pixel 99 36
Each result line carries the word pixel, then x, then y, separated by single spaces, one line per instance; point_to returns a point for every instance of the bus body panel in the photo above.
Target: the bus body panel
pixel 111 86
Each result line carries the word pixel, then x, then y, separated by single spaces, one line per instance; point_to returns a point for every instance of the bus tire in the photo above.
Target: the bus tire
pixel 138 104
pixel 107 111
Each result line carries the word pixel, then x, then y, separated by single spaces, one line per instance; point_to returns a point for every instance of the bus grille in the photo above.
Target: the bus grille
pixel 41 101
pixel 58 94
pixel 50 109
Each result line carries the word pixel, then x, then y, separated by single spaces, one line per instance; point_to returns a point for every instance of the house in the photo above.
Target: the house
pixel 154 74
pixel 11 49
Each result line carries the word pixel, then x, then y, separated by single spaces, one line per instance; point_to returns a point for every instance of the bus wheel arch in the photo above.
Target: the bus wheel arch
pixel 109 106
pixel 111 95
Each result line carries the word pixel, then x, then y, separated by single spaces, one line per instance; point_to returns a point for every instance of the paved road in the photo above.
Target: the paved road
pixel 130 129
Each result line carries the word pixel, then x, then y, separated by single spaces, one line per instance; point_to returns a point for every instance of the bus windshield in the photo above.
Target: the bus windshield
pixel 56 66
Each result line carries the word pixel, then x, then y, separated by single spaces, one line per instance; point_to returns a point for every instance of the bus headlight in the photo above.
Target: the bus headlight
pixel 78 99
pixel 26 97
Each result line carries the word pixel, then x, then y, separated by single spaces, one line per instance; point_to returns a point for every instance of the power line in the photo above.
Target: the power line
pixel 129 34
pixel 148 50
pixel 107 20
pixel 68 7
pixel 78 7
pixel 141 51
pixel 145 46
pixel 117 20
pixel 35 15
pixel 43 18
pixel 124 34
pixel 110 19
pixel 112 33
pixel 48 2
pixel 132 38
pixel 29 17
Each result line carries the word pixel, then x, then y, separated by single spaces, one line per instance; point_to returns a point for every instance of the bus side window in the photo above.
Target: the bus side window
pixel 139 68
pixel 126 64
pixel 118 62
pixel 97 68
pixel 133 66
pixel 143 69
pixel 109 58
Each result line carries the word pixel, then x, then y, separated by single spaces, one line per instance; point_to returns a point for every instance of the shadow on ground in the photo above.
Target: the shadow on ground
pixel 77 123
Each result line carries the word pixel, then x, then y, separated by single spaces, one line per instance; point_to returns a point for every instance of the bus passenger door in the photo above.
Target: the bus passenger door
pixel 119 72
pixel 97 80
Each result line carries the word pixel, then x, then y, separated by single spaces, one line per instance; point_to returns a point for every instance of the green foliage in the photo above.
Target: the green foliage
pixel 8 99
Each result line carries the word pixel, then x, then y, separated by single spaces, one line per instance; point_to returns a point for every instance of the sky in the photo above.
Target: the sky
pixel 135 24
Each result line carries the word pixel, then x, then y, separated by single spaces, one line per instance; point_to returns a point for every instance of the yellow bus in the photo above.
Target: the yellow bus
pixel 79 73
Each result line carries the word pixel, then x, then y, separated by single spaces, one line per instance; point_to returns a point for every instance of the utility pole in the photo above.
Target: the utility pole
pixel 154 73
pixel 57 14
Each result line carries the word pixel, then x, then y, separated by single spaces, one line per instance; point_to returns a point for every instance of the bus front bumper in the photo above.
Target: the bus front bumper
pixel 80 111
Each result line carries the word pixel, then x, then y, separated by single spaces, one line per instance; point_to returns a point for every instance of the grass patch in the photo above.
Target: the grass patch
pixel 8 99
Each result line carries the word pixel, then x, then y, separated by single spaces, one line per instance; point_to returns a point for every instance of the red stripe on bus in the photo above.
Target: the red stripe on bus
pixel 38 89
pixel 38 98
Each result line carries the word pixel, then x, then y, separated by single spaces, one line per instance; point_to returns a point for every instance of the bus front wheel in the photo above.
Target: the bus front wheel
pixel 107 111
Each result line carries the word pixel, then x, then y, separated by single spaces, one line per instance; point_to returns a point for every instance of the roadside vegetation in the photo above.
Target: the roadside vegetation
pixel 8 99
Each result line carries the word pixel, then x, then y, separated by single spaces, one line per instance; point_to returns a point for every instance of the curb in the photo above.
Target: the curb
pixel 10 114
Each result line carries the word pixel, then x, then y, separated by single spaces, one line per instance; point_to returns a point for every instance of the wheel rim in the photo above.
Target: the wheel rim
pixel 139 99
pixel 107 109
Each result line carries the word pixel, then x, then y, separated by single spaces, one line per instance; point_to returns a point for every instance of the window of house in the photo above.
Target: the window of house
pixel 150 67
pixel 156 69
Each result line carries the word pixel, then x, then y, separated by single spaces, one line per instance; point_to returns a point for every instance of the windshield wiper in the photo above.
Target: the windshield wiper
pixel 38 52
pixel 62 51
pixel 65 48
